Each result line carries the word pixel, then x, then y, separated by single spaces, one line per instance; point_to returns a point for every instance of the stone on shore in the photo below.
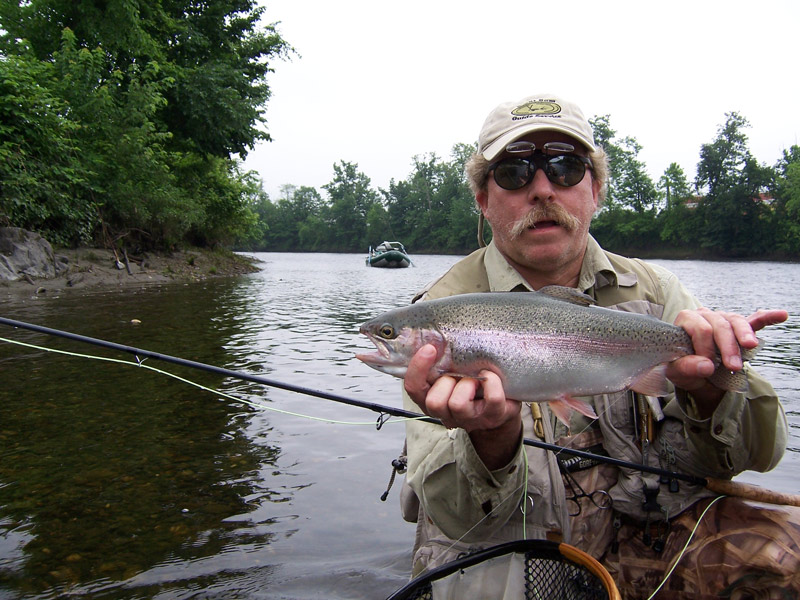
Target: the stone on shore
pixel 27 255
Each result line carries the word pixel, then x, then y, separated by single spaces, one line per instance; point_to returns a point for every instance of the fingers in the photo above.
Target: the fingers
pixel 466 402
pixel 715 332
pixel 486 410
pixel 763 318
pixel 416 378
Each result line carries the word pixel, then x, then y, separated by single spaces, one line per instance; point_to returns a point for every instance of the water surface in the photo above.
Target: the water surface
pixel 118 482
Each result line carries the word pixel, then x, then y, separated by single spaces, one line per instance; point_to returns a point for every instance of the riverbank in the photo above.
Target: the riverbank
pixel 102 268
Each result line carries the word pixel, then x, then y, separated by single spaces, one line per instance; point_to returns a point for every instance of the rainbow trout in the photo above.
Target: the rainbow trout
pixel 547 346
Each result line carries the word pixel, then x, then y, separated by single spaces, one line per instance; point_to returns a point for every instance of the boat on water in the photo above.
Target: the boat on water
pixel 391 255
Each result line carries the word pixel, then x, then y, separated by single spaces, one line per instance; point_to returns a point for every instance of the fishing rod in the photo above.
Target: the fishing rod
pixel 721 486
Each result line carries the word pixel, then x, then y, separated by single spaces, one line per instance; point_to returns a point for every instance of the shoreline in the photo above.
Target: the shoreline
pixel 99 268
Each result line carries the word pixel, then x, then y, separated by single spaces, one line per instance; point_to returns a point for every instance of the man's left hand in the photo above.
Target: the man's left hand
pixel 712 333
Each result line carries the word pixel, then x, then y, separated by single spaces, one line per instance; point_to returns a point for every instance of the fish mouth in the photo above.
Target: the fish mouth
pixel 382 356
pixel 385 359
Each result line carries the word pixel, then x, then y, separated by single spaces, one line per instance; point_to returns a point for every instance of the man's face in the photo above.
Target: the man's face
pixel 550 245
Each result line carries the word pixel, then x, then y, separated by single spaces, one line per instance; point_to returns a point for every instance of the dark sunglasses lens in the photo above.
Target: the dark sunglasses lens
pixel 565 170
pixel 513 173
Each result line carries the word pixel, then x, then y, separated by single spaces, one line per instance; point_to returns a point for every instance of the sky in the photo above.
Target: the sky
pixel 376 83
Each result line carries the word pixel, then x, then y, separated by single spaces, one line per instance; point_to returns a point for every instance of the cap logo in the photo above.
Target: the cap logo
pixel 537 107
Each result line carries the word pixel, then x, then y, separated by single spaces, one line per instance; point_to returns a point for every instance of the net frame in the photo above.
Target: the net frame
pixel 553 570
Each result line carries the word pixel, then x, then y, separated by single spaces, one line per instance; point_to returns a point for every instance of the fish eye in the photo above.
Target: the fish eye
pixel 387 331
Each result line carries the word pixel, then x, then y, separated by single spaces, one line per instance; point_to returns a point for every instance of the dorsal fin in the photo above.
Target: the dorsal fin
pixel 567 294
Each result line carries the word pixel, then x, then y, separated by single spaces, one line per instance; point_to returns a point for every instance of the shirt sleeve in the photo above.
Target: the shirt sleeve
pixel 464 499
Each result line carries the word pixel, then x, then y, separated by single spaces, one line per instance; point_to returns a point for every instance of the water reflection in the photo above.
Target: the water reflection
pixel 106 470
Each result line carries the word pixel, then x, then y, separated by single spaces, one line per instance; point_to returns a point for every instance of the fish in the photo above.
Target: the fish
pixel 553 345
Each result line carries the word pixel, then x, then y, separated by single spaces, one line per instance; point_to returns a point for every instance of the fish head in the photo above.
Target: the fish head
pixel 397 340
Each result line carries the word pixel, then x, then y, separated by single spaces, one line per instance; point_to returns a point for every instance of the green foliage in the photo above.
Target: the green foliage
pixel 43 181
pixel 351 199
pixel 679 224
pixel 126 120
pixel 629 185
pixel 734 220
pixel 433 210
pixel 785 214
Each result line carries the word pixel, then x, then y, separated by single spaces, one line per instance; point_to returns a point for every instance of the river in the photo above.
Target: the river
pixel 121 482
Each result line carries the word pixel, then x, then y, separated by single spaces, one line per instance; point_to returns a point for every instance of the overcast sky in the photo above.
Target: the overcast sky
pixel 377 82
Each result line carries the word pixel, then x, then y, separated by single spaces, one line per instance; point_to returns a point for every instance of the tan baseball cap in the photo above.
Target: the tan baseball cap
pixel 512 120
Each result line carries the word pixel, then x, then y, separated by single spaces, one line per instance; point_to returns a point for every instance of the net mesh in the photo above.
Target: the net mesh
pixel 549 577
pixel 560 579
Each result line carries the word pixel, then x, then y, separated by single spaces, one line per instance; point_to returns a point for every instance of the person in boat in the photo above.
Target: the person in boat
pixel 538 178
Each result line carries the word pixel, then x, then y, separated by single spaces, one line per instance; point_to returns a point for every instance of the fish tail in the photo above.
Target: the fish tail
pixel 748 354
pixel 734 381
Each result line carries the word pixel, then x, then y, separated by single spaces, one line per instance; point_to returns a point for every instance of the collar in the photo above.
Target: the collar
pixel 502 276
pixel 596 271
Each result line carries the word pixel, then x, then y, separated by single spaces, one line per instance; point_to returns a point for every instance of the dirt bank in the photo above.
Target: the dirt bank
pixel 97 267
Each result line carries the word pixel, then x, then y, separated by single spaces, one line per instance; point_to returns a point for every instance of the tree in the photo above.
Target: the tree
pixel 786 208
pixel 217 61
pixel 678 223
pixel 733 216
pixel 629 185
pixel 351 198
pixel 627 221
pixel 43 181
pixel 433 209
pixel 155 95
pixel 674 186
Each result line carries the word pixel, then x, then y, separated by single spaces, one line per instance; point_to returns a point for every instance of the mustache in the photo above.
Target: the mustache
pixel 545 212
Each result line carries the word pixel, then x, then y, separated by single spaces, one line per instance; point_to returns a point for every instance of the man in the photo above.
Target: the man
pixel 538 179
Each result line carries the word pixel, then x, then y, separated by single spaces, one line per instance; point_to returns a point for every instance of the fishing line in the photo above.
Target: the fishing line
pixel 140 364
pixel 139 352
pixel 685 547
pixel 378 408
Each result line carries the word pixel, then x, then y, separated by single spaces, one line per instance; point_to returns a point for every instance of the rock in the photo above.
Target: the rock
pixel 27 255
pixel 75 279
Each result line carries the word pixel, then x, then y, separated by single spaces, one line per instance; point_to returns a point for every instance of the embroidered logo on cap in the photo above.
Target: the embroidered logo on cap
pixel 537 107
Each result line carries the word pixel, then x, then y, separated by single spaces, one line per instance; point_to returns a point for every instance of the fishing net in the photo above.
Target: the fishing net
pixel 526 569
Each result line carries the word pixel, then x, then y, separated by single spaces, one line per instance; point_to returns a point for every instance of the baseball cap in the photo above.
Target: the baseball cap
pixel 513 120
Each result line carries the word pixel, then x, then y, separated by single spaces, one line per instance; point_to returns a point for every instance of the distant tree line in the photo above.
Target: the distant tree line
pixel 431 211
pixel 125 121
pixel 734 208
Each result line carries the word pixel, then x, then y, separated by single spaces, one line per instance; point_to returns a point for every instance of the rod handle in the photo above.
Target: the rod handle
pixel 751 492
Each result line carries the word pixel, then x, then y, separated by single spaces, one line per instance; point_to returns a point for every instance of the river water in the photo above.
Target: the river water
pixel 120 482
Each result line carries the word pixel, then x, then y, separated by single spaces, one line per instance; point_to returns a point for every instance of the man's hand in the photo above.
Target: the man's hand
pixel 711 331
pixel 479 406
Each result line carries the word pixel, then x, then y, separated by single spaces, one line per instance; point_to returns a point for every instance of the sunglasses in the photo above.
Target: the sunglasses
pixel 557 160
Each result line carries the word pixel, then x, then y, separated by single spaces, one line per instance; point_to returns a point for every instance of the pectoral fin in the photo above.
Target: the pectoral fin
pixel 562 408
pixel 653 382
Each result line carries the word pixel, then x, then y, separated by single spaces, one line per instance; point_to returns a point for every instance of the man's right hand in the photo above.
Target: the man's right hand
pixel 479 406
